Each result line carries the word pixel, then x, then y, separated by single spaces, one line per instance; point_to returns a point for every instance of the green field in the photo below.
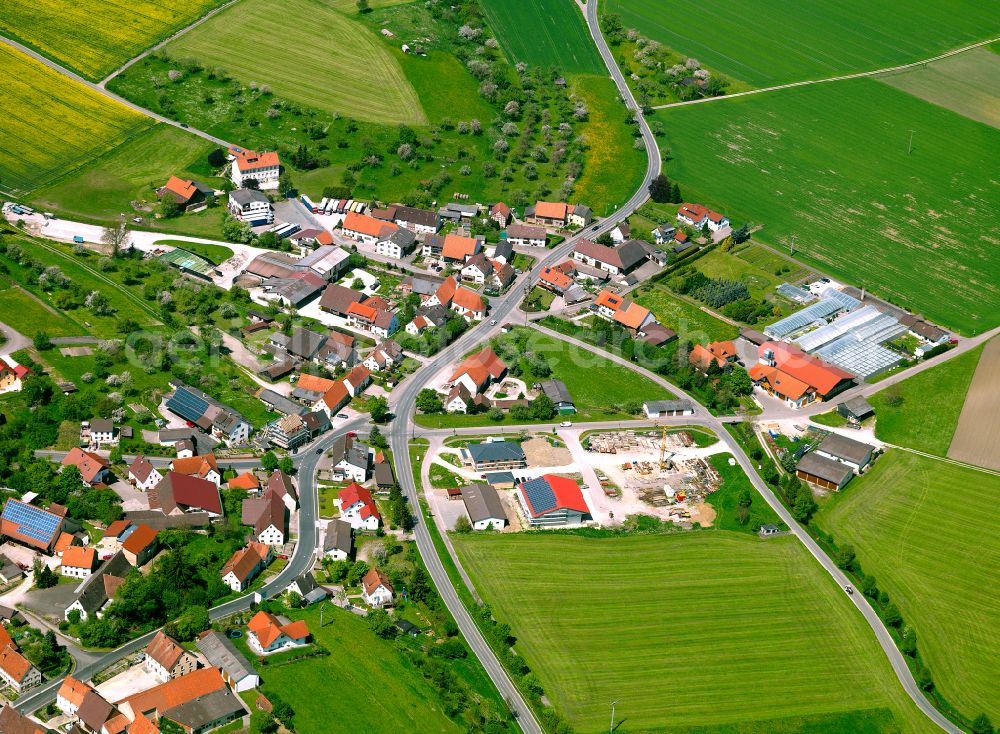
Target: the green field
pixel 927 530
pixel 595 400
pixel 335 63
pixel 544 33
pixel 23 311
pixel 689 321
pixel 931 405
pixel 132 172
pixel 689 632
pixel 51 125
pixel 94 37
pixel 817 39
pixel 915 228
pixel 377 689
pixel 968 84
pixel 615 167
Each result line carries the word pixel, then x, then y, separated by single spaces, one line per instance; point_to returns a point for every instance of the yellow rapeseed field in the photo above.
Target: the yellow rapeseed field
pixel 51 125
pixel 94 37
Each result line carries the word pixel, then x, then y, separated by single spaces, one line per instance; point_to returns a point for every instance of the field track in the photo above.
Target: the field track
pixel 977 437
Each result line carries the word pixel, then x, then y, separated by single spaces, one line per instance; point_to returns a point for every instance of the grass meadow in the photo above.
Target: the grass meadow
pixel 816 40
pixel 376 687
pixel 131 172
pixel 22 310
pixel 927 530
pixel 95 37
pixel 931 405
pixel 544 33
pixel 334 64
pixel 51 124
pixel 815 166
pixel 687 319
pixel 615 167
pixel 690 632
pixel 968 84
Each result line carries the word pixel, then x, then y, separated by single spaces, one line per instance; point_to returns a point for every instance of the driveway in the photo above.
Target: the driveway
pixel 133 500
pixel 14 341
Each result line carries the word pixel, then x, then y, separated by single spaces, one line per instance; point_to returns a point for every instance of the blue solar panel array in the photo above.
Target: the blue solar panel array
pixel 540 495
pixel 33 522
pixel 187 405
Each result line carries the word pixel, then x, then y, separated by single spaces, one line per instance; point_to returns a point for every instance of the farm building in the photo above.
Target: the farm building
pixel 854 454
pixel 621 310
pixel 484 507
pixel 620 260
pixel 552 500
pixel 220 653
pixel 856 409
pixel 788 373
pixel 525 235
pixel 832 302
pixel 207 413
pixel 663 408
pixel 30 525
pixel 823 471
pixel 492 455
pixel 186 192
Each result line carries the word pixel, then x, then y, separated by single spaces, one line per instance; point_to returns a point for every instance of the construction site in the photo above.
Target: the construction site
pixel 656 473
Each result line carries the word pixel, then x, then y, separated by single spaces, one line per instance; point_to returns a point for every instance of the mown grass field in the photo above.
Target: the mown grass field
pixel 927 530
pixel 131 172
pixel 814 164
pixel 544 33
pixel 931 405
pixel 22 311
pixel 701 631
pixel 615 167
pixel 968 84
pixel 818 39
pixel 94 37
pixel 51 124
pixel 334 63
pixel 689 321
pixel 359 664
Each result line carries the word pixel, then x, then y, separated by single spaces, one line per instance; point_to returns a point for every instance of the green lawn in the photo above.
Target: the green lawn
pixel 911 229
pixel 689 321
pixel 926 529
pixel 544 33
pixel 131 172
pixel 377 688
pixel 335 64
pixel 725 500
pixel 818 39
pixel 931 405
pixel 22 310
pixel 689 632
pixel 595 399
pixel 832 419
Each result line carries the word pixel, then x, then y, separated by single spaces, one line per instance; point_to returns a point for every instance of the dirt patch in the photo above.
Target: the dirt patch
pixel 977 436
pixel 703 514
pixel 76 351
pixel 539 452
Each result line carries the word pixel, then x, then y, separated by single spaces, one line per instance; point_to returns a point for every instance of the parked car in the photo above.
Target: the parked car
pixel 341 415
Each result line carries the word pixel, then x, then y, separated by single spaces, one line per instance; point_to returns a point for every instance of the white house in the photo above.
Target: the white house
pixel 17 671
pixel 484 507
pixel 78 562
pixel 245 564
pixel 477 269
pixel 396 244
pixel 358 508
pixel 337 542
pixel 143 475
pixel 250 206
pixel 264 168
pixel 376 589
pixel 220 653
pixel 103 432
pixel 526 235
pixel 267 635
pixel 203 466
pixel 166 658
pixel 350 459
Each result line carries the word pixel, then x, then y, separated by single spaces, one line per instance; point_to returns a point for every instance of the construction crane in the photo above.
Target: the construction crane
pixel 663 448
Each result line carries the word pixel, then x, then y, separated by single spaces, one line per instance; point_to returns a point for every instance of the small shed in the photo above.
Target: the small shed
pixel 856 409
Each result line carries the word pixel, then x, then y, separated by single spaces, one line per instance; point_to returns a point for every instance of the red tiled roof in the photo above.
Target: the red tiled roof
pixel 73 690
pixel 266 628
pixel 247 480
pixel 114 529
pixel 362 310
pixel 469 300
pixel 567 495
pixel 811 370
pixel 446 291
pixel 140 539
pixel 780 382
pixel 176 691
pixel 198 466
pixel 165 650
pixel 551 210
pixel 480 366
pixel 183 189
pixel 336 396
pixel 354 493
pixel 457 247
pixel 14 663
pixel 695 212
pixel 89 464
pixel 313 383
pixel 358 376
pixel 251 160
pixel 374 579
pixel 366 225
pixel 76 556
pixel 556 278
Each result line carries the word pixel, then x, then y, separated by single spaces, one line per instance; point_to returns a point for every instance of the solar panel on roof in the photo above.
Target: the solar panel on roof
pixel 540 496
pixel 32 522
pixel 187 405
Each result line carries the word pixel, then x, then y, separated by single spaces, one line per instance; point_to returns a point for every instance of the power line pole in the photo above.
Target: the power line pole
pixel 909 148
pixel 611 729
